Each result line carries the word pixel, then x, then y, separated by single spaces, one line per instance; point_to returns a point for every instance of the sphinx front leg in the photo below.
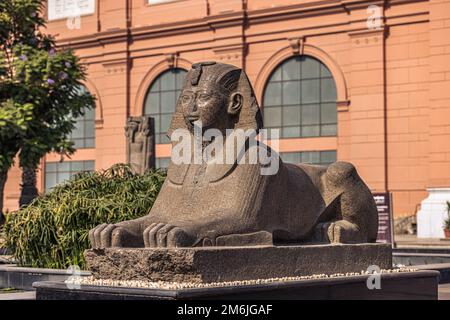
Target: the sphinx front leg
pixel 179 234
pixel 340 231
pixel 167 235
pixel 343 231
pixel 222 231
pixel 122 234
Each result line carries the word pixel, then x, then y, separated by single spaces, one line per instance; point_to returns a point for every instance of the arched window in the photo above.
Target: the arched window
pixel 300 99
pixel 83 135
pixel 161 100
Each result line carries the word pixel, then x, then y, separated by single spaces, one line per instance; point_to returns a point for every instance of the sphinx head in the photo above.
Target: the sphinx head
pixel 219 96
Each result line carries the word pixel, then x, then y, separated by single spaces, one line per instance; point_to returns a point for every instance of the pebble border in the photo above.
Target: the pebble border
pixel 91 281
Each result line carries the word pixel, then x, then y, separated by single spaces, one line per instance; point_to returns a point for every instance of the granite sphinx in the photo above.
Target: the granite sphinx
pixel 233 204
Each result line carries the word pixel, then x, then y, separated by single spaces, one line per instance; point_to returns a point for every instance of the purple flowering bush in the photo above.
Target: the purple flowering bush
pixel 39 89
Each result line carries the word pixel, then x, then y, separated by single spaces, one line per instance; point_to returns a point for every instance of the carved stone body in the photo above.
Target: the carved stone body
pixel 211 204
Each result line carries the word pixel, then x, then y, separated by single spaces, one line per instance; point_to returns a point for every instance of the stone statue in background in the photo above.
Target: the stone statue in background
pixel 140 133
pixel 212 204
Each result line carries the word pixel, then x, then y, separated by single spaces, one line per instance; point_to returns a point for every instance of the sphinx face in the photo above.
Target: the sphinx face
pixel 204 104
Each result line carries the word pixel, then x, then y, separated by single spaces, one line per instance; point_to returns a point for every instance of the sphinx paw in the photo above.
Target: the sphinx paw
pixel 101 236
pixel 343 232
pixel 111 235
pixel 167 235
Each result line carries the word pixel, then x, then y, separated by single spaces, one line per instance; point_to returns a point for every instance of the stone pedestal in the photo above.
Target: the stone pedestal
pixel 258 272
pixel 219 264
pixel 421 285
pixel 430 218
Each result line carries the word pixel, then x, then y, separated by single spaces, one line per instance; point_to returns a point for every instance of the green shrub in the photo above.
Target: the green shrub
pixel 52 232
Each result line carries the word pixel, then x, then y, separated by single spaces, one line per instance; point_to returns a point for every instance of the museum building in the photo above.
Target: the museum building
pixel 360 81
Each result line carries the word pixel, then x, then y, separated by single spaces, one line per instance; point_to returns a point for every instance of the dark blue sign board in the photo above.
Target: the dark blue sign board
pixel 383 201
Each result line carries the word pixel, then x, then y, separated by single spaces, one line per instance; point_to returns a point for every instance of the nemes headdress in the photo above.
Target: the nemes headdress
pixel 225 79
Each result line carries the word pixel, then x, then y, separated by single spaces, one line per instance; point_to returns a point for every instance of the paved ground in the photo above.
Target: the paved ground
pixel 444 294
pixel 407 241
pixel 444 291
pixel 18 295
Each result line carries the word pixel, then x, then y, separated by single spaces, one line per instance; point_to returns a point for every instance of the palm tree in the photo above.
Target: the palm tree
pixel 28 186
pixel 3 177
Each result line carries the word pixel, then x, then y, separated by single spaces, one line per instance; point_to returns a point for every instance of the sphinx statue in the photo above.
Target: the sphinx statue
pixel 232 204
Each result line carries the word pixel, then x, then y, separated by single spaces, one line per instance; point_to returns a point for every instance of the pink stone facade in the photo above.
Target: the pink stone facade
pixel 392 75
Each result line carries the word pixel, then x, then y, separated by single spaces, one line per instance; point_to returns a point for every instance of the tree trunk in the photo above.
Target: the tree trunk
pixel 3 177
pixel 29 190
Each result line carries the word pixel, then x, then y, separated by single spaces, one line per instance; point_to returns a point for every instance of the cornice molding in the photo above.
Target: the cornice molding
pixel 232 53
pixel 230 19
pixel 350 5
pixel 100 38
pixel 163 30
pixel 226 19
pixel 116 65
pixel 230 49
pixel 390 3
pixel 364 32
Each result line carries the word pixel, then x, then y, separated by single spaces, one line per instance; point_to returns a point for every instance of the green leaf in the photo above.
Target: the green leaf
pixel 52 232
